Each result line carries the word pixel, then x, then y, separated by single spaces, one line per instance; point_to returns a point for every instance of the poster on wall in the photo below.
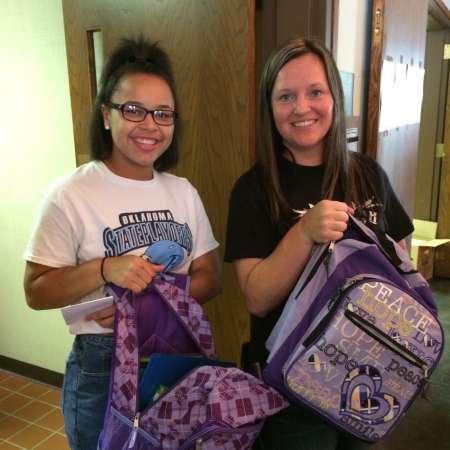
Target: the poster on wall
pixel 401 94
pixel 347 79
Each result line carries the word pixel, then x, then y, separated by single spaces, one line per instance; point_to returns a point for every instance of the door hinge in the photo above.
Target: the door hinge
pixel 447 51
pixel 440 153
pixel 378 20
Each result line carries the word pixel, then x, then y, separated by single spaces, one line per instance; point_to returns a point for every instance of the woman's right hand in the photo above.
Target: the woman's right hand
pixel 130 271
pixel 325 222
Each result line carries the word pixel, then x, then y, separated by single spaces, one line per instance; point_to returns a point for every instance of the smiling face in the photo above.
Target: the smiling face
pixel 137 145
pixel 302 106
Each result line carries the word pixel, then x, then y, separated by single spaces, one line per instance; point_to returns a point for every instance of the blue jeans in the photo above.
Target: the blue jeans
pixel 85 390
pixel 296 428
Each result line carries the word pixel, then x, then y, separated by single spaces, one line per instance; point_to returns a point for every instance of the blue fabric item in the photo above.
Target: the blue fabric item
pixel 164 370
pixel 85 390
pixel 167 253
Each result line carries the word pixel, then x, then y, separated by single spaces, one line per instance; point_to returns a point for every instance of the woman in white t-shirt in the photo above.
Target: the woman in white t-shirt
pixel 95 224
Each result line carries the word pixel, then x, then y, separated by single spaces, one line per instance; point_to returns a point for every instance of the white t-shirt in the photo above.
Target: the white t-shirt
pixel 92 213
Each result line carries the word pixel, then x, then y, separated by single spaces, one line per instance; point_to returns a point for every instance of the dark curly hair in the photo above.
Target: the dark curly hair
pixel 132 56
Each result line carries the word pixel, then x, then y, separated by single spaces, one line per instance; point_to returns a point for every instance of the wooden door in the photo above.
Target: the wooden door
pixel 280 20
pixel 444 194
pixel 442 257
pixel 397 56
pixel 210 44
pixel 431 138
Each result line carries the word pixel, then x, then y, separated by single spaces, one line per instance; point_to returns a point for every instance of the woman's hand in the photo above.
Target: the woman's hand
pixel 325 222
pixel 130 272
pixel 266 282
pixel 104 317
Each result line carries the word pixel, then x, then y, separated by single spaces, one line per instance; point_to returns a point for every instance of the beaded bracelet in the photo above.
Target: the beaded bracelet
pixel 102 265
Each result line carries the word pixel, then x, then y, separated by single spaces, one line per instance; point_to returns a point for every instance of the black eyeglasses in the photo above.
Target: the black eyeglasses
pixel 135 113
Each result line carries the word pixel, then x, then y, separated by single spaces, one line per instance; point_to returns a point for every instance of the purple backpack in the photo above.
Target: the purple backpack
pixel 358 337
pixel 209 408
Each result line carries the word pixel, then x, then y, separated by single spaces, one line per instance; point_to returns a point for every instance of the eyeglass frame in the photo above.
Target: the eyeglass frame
pixel 120 106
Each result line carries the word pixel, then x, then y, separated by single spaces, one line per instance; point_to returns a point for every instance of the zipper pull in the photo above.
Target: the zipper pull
pixel 426 389
pixel 334 298
pixel 199 444
pixel 134 432
pixel 327 258
pixel 426 386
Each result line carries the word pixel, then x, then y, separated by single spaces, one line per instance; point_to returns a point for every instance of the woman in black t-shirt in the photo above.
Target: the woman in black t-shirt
pixel 303 169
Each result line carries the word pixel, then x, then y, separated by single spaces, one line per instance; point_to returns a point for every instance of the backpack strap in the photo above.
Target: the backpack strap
pixel 187 310
pixel 125 359
pixel 387 246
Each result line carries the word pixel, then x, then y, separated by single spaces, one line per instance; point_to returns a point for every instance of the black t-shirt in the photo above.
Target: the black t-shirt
pixel 252 234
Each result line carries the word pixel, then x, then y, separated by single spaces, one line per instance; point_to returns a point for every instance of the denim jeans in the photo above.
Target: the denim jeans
pixel 296 428
pixel 85 390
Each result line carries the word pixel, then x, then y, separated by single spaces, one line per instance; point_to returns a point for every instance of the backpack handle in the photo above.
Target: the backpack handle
pixel 381 240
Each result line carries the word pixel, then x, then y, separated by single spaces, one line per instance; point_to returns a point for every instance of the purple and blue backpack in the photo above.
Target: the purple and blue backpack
pixel 210 408
pixel 359 336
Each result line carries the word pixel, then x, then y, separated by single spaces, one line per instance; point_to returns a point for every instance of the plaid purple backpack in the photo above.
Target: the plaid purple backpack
pixel 359 336
pixel 210 408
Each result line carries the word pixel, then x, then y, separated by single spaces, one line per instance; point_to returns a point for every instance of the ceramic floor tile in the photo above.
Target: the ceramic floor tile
pixel 53 397
pixel 15 383
pixel 10 426
pixel 8 446
pixel 30 417
pixel 13 403
pixel 3 376
pixel 4 393
pixel 35 390
pixel 30 437
pixel 53 420
pixel 54 442
pixel 34 411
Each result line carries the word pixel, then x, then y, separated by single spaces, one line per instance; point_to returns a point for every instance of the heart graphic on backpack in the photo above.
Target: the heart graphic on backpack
pixel 362 398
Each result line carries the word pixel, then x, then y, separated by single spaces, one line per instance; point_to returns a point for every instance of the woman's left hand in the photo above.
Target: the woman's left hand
pixel 104 317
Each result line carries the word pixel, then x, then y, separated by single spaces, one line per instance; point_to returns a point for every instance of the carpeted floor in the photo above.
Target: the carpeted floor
pixel 426 425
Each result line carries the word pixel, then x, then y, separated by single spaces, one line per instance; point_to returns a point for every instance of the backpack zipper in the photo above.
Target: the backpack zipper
pixel 201 436
pixel 364 325
pixel 333 304
pixel 379 336
pixel 198 438
pixel 326 261
pixel 325 255
pixel 134 432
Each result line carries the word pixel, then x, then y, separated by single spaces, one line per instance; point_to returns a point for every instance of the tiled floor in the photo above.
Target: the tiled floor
pixel 30 417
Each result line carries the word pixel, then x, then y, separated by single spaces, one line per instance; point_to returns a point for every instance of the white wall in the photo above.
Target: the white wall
pixel 351 45
pixel 36 145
